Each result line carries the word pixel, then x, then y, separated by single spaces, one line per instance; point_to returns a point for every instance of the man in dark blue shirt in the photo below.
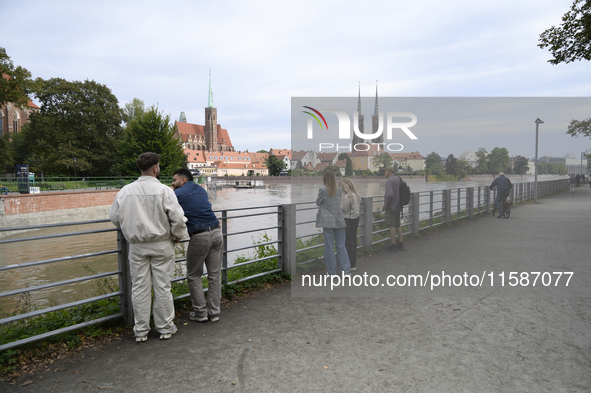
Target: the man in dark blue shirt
pixel 205 247
pixel 504 186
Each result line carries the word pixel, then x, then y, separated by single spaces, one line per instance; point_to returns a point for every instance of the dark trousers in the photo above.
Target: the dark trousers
pixel 351 239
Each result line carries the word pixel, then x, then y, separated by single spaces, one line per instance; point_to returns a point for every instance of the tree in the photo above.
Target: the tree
pixel 5 152
pixel 383 160
pixel 572 40
pixel 348 164
pixel 335 169
pixel 275 165
pixel 151 131
pixel 133 109
pixel 432 160
pixel 463 169
pixel 262 151
pixel 16 86
pixel 520 165
pixel 482 163
pixel 576 128
pixel 451 165
pixel 498 160
pixel 77 119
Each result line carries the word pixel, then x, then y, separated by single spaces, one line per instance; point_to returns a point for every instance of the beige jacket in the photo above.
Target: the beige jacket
pixel 148 211
pixel 350 208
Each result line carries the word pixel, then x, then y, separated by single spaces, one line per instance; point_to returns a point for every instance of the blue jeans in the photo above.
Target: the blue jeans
pixel 330 236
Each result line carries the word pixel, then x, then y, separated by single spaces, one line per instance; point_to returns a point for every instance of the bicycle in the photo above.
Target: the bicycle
pixel 506 206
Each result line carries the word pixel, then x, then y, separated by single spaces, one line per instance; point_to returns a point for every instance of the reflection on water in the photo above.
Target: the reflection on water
pixel 227 198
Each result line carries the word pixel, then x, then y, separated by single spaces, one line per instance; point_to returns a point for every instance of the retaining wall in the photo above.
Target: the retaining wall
pixel 51 208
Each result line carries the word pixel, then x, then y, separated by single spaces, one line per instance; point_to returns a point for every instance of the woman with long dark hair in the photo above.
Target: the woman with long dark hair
pixel 330 218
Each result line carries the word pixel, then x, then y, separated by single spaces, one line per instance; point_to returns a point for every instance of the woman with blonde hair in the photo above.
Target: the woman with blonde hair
pixel 330 218
pixel 350 202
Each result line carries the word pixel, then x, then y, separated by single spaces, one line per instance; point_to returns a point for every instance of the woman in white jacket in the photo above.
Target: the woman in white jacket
pixel 350 201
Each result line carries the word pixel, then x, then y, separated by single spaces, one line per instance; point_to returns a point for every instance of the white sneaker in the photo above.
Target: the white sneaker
pixel 141 339
pixel 167 336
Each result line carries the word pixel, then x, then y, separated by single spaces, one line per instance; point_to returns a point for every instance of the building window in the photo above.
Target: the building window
pixel 15 122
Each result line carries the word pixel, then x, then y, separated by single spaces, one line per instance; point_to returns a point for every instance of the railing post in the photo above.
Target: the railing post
pixel 415 209
pixel 225 251
pixel 287 234
pixel 125 304
pixel 447 199
pixel 487 199
pixel 367 222
pixel 470 200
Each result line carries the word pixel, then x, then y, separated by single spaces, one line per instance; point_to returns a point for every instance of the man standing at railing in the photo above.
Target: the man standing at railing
pixel 392 209
pixel 205 247
pixel 151 220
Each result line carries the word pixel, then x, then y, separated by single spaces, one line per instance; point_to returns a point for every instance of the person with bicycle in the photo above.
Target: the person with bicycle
pixel 504 186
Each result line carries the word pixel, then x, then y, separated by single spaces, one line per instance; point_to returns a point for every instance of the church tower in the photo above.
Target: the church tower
pixel 356 139
pixel 375 120
pixel 211 123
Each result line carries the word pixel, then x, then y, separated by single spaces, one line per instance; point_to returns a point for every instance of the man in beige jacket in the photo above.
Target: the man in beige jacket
pixel 151 220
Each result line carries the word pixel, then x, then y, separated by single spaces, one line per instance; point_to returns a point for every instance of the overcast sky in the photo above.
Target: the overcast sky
pixel 262 53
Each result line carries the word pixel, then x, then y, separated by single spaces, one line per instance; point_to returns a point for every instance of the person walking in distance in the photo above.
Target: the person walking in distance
pixel 330 218
pixel 205 247
pixel 504 187
pixel 571 183
pixel 152 221
pixel 393 209
pixel 350 202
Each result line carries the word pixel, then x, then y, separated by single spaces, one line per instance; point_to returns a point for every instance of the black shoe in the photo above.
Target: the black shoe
pixel 400 246
pixel 392 248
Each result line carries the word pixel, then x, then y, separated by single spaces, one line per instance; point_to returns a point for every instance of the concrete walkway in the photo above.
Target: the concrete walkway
pixel 491 339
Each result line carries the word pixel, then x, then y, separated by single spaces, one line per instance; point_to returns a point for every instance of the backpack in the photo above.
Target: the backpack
pixel 404 193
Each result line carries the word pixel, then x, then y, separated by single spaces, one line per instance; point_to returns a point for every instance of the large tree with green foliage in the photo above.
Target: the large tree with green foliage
pixel 15 82
pixel 151 131
pixel 482 162
pixel 451 165
pixel 520 165
pixel 498 160
pixel 133 110
pixel 275 165
pixel 383 160
pixel 432 160
pixel 77 119
pixel 572 39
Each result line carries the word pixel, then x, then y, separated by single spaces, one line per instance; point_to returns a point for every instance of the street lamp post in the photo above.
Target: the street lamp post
pixel 75 170
pixel 538 122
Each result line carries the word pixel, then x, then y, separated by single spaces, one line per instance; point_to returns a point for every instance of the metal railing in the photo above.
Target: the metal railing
pixel 426 210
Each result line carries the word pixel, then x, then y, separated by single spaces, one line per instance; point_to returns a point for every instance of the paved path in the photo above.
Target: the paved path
pixel 490 340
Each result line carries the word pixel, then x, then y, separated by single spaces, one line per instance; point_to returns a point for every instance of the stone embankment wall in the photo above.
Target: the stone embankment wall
pixel 54 207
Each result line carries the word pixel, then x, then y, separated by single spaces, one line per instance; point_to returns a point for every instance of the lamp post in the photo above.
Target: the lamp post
pixel 538 122
pixel 75 170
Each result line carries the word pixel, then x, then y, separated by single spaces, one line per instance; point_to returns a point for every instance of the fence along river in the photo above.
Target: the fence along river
pixel 227 198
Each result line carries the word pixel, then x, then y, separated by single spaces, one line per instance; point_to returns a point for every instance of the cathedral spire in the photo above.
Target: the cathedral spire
pixel 375 111
pixel 359 99
pixel 210 100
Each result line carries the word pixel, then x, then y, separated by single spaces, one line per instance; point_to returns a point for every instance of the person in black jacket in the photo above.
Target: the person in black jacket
pixel 504 186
